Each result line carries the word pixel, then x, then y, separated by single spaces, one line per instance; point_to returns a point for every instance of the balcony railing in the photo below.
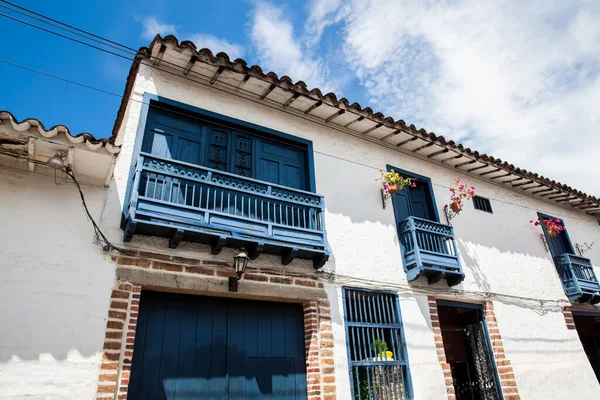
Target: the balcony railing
pixel 578 278
pixel 429 249
pixel 188 202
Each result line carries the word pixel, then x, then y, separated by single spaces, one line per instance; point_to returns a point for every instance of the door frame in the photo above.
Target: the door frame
pixel 424 178
pixel 477 306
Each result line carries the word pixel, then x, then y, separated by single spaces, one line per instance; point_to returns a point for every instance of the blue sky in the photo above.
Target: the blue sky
pixel 520 81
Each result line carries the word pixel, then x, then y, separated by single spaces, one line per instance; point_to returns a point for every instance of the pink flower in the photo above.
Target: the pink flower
pixel 385 186
pixel 413 184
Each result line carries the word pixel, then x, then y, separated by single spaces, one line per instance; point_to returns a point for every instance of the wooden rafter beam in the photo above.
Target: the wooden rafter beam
pixel 216 75
pixel 389 135
pixel 269 90
pixel 372 129
pixel 456 157
pixel 465 163
pixel 522 183
pixel 491 172
pixel 478 168
pixel 412 139
pixel 335 115
pixel 243 82
pixel 437 153
pixel 560 196
pixel 160 54
pixel 290 100
pixel 550 193
pixel 317 104
pixel 31 154
pixel 543 191
pixel 423 147
pixel 190 65
pixel 354 121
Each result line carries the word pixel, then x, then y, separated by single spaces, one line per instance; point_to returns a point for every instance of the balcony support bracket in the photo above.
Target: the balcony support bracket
pixel 320 260
pixel 289 255
pixel 129 230
pixel 176 238
pixel 255 250
pixel 217 245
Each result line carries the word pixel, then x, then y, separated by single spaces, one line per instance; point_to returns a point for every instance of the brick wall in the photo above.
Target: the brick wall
pixel 505 370
pixel 117 354
pixel 568 314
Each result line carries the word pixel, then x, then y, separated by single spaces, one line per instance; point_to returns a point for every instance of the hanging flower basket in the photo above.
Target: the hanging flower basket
pixel 455 206
pixel 460 193
pixel 393 182
pixel 553 227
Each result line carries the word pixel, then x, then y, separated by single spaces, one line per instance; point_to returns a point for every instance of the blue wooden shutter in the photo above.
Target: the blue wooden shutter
pixel 242 157
pixel 281 164
pixel 402 206
pixel 218 145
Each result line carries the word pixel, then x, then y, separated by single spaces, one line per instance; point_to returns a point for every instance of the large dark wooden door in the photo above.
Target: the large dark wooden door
pixel 179 137
pixel 195 347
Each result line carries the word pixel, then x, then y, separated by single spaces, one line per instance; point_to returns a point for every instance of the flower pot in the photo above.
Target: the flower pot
pixel 455 207
pixel 552 232
pixel 392 188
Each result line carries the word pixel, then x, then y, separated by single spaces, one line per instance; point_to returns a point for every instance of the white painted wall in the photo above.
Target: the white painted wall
pixel 501 252
pixel 55 286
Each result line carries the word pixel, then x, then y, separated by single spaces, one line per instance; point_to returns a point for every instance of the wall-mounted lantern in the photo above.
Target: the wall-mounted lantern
pixel 240 262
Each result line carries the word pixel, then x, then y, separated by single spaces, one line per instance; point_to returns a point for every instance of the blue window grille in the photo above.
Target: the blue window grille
pixel 377 356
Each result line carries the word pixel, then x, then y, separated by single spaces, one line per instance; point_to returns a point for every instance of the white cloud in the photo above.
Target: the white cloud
pixel 217 45
pixel 279 49
pixel 151 26
pixel 520 81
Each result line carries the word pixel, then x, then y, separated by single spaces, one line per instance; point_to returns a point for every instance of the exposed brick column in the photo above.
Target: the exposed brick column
pixel 567 312
pixel 439 346
pixel 318 341
pixel 505 369
pixel 115 369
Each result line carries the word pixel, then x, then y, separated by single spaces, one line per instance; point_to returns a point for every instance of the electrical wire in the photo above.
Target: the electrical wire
pixel 120 47
pixel 106 245
pixel 126 49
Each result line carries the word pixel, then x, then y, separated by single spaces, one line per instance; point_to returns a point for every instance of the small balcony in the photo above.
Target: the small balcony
pixel 578 278
pixel 188 202
pixel 429 249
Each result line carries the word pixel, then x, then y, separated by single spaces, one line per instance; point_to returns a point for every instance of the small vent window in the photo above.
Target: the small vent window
pixel 483 204
pixel 376 350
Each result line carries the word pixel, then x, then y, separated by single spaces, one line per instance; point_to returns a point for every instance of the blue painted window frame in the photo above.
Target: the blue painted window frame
pixel 149 99
pixel 423 178
pixel 400 325
pixel 475 306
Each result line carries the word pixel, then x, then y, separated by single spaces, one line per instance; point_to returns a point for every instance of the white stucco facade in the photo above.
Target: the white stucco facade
pixel 55 289
pixel 502 254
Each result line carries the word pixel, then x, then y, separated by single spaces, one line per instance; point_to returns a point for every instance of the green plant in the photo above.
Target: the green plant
pixel 378 346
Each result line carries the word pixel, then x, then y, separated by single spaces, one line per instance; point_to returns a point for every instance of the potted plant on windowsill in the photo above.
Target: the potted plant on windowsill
pixel 552 226
pixel 393 182
pixel 380 348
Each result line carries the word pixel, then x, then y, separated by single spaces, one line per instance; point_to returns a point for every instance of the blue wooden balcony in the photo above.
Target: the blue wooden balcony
pixel 429 249
pixel 183 201
pixel 578 278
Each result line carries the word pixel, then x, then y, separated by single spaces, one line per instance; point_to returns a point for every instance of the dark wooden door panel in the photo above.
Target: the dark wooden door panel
pixel 194 347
